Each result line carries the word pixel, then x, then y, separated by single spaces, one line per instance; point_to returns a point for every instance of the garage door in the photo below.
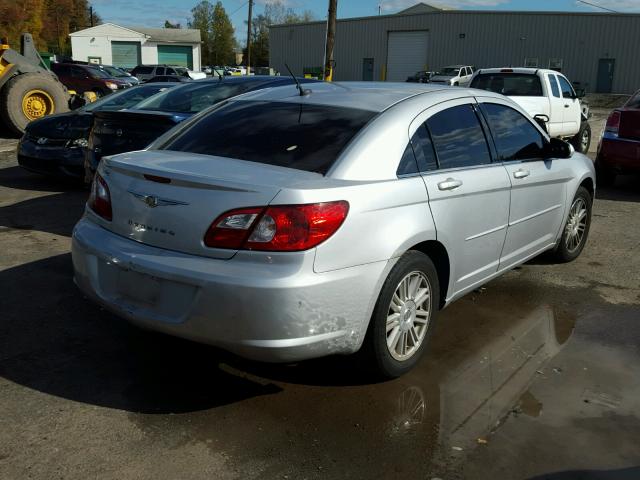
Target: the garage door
pixel 175 55
pixel 406 54
pixel 125 54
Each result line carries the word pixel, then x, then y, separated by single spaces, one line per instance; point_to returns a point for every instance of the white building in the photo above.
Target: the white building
pixel 111 44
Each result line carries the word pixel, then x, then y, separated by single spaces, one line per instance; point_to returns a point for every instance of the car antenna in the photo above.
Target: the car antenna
pixel 303 91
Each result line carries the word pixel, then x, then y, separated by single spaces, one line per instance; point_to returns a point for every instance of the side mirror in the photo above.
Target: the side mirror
pixel 580 92
pixel 542 120
pixel 557 148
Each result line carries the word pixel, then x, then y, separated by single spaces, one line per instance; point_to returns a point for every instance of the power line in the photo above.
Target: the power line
pixel 239 8
pixel 597 6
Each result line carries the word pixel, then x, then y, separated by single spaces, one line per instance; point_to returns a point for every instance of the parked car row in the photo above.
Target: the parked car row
pixel 71 144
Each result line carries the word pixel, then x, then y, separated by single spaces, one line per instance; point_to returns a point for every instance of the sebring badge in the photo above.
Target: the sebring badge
pixel 152 201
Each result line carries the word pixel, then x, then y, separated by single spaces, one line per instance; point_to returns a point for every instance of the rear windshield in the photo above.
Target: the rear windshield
pixel 510 84
pixel 634 102
pixel 193 98
pixel 305 137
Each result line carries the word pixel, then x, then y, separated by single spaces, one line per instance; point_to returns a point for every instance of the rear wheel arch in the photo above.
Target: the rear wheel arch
pixel 438 254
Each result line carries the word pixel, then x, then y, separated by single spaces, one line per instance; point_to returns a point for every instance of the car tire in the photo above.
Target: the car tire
pixel 582 140
pixel 388 352
pixel 576 229
pixel 456 84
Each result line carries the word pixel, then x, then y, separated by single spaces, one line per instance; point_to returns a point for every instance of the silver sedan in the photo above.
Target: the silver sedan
pixel 284 225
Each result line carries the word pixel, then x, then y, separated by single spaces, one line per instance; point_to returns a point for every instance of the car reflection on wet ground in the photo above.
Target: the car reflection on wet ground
pixel 534 376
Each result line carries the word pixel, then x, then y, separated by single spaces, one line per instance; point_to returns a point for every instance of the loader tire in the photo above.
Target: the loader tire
pixel 30 96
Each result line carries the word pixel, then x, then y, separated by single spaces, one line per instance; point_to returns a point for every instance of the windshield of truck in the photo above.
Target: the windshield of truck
pixel 449 72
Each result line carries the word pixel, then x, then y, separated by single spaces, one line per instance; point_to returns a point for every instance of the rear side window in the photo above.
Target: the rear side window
pixel 555 90
pixel 515 137
pixel 159 71
pixel 458 138
pixel 304 137
pixel 408 164
pixel 512 84
pixel 423 149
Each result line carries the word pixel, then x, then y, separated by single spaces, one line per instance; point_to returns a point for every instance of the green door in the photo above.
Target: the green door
pixel 175 55
pixel 125 54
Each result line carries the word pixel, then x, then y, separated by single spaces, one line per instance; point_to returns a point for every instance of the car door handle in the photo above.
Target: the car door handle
pixel 520 173
pixel 449 184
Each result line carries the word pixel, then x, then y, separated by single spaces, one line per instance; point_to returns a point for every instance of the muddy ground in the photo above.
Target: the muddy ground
pixel 536 375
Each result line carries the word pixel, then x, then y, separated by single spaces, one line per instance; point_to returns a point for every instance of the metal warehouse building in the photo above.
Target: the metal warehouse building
pixel 599 50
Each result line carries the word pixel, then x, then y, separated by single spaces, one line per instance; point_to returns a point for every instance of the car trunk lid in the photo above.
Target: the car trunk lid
pixel 125 131
pixel 169 199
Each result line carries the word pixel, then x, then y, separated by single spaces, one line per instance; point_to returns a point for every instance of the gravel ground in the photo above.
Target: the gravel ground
pixel 536 375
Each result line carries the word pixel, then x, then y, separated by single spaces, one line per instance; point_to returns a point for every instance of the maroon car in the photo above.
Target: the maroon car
pixel 619 149
pixel 86 78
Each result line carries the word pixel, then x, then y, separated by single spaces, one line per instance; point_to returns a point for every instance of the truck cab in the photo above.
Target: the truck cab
pixel 544 94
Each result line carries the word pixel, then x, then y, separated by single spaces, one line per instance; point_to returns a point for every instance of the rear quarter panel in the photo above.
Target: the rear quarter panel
pixel 385 219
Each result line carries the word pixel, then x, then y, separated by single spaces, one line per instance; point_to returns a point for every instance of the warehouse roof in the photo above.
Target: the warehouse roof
pixel 163 35
pixel 189 35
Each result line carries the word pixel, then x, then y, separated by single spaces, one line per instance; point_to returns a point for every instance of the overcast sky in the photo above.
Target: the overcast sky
pixel 153 13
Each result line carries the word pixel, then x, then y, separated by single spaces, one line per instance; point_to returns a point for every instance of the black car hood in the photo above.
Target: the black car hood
pixel 68 125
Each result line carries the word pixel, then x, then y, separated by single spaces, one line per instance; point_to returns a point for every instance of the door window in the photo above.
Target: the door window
pixel 160 71
pixel 515 137
pixel 458 138
pixel 565 86
pixel 555 90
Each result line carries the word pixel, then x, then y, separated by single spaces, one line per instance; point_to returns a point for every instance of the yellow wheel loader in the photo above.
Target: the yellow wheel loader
pixel 28 89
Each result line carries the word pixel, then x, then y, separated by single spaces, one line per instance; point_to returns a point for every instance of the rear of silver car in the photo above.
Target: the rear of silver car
pixel 147 260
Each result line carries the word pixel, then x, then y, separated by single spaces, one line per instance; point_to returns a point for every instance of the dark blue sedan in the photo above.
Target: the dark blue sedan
pixel 54 145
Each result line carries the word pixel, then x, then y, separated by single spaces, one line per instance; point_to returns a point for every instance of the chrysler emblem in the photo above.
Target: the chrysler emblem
pixel 152 201
pixel 42 141
pixel 119 132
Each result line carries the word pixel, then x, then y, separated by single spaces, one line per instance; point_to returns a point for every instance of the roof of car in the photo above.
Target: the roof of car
pixel 374 96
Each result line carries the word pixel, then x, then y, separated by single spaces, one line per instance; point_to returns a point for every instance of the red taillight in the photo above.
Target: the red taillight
pixel 613 122
pixel 281 228
pixel 100 198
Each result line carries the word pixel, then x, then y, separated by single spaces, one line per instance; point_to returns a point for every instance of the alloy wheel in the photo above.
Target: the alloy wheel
pixel 408 316
pixel 576 225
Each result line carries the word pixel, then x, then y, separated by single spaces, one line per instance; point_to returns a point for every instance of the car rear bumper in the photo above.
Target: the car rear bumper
pixel 58 161
pixel 269 307
pixel 620 154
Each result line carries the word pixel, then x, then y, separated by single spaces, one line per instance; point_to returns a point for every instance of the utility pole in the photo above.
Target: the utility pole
pixel 249 37
pixel 331 38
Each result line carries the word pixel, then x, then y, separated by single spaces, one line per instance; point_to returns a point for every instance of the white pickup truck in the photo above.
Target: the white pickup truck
pixel 546 95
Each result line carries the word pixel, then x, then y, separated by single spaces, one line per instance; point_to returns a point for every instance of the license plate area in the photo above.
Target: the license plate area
pixel 138 287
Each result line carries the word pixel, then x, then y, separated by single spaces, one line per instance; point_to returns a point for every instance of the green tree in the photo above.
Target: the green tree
pixel 216 31
pixel 222 40
pixel 168 24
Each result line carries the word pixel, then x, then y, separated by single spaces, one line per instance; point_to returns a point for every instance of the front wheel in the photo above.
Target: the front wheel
pixel 402 319
pixel 582 140
pixel 576 230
